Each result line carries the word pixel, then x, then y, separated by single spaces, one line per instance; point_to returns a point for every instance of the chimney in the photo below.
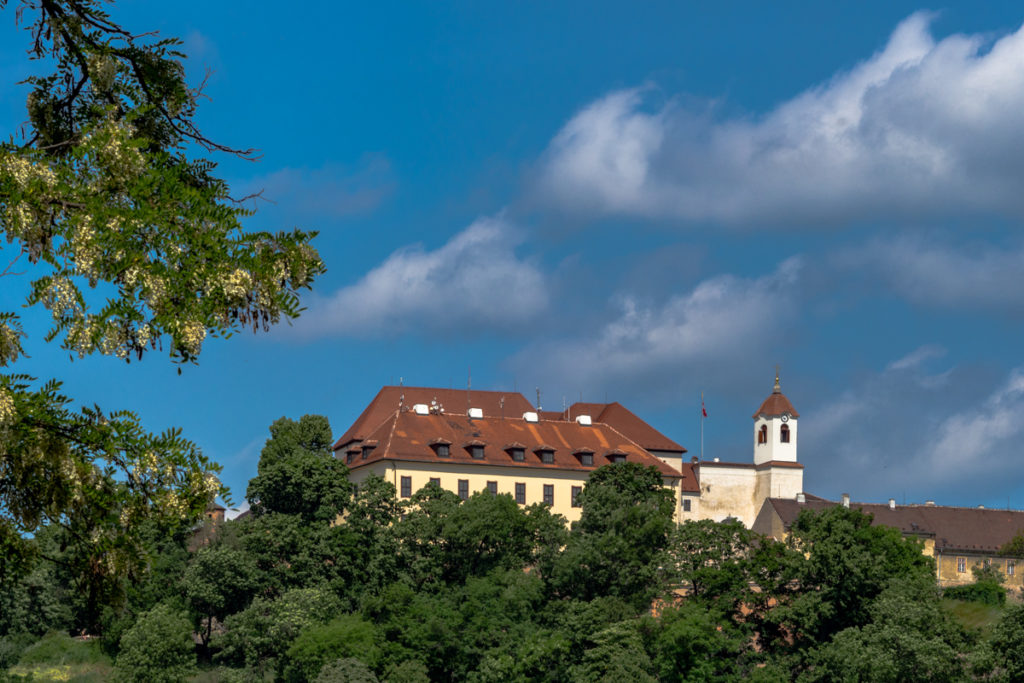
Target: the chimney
pixel 892 503
pixel 846 500
pixel 801 498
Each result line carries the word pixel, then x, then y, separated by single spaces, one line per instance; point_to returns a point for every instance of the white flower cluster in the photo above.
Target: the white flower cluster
pixel 116 157
pixel 61 297
pixel 9 344
pixel 23 172
pixel 8 411
pixel 190 334
pixel 236 285
pixel 87 255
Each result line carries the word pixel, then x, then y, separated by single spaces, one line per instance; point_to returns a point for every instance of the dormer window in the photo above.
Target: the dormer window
pixel 615 455
pixel 442 448
pixel 351 454
pixel 546 454
pixel 516 451
pixel 784 434
pixel 476 452
pixel 585 457
pixel 762 435
pixel 367 450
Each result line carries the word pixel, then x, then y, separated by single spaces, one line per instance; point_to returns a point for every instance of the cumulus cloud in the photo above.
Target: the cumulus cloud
pixel 922 126
pixel 717 322
pixel 975 439
pixel 930 273
pixel 473 282
pixel 912 430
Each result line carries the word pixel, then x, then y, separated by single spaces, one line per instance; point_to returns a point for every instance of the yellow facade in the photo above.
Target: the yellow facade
pixel 478 476
pixel 954 569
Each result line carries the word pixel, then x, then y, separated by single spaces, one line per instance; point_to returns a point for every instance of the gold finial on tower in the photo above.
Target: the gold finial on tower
pixel 777 389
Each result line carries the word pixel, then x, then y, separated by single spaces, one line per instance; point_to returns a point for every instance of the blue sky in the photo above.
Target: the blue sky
pixel 623 201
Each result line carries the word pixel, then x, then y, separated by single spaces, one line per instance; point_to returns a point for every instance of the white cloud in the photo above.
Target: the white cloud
pixel 930 273
pixel 474 282
pixel 717 322
pixel 948 436
pixel 922 126
pixel 916 358
pixel 976 438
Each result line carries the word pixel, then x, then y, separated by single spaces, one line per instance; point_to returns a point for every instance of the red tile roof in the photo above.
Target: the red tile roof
pixel 969 530
pixel 456 401
pixel 405 435
pixel 776 404
pixel 627 422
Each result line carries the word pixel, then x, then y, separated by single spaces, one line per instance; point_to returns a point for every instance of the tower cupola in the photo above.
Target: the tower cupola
pixel 775 428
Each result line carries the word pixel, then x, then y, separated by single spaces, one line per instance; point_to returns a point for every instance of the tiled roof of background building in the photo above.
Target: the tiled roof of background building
pixel 953 528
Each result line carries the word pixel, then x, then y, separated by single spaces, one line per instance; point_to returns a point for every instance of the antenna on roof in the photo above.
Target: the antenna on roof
pixel 538 398
pixel 469 387
pixel 501 404
pixel 401 381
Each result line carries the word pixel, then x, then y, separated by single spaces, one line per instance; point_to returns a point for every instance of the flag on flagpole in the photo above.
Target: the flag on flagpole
pixel 703 410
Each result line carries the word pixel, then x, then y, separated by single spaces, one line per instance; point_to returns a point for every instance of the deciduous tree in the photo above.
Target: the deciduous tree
pixel 126 236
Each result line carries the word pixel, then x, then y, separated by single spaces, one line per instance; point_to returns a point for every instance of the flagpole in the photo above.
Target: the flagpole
pixel 702 425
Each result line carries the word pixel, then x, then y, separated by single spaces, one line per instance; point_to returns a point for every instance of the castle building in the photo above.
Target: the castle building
pixel 469 441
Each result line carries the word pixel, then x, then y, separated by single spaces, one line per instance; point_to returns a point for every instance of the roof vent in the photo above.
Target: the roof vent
pixel 530 416
pixel 584 420
pixel 801 498
pixel 929 503
pixel 981 507
pixel 846 500
pixel 476 413
pixel 892 503
pixel 421 409
pixel 718 460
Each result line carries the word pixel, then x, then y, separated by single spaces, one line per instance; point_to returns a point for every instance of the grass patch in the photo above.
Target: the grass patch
pixel 973 615
pixel 59 657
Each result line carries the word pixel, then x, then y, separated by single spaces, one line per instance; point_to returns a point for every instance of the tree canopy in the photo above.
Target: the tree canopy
pixel 115 222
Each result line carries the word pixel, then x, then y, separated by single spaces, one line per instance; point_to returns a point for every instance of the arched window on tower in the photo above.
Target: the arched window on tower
pixel 784 434
pixel 762 435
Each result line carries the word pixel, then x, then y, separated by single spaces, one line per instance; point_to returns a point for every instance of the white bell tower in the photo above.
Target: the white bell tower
pixel 775 428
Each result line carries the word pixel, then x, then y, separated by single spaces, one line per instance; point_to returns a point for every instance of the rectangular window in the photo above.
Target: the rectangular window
pixel 521 493
pixel 961 565
pixel 587 459
pixel 406 487
pixel 547 457
pixel 464 489
pixel 518 454
pixel 686 505
pixel 477 452
pixel 576 490
pixel 351 456
pixel 1011 566
pixel 436 481
pixel 492 488
pixel 442 450
pixel 549 494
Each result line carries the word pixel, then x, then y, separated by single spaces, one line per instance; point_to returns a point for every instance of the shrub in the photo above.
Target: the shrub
pixel 157 649
pixel 986 592
pixel 266 629
pixel 348 670
pixel 346 636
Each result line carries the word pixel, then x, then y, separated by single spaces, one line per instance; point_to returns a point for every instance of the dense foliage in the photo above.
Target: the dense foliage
pixel 340 583
pixel 126 237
